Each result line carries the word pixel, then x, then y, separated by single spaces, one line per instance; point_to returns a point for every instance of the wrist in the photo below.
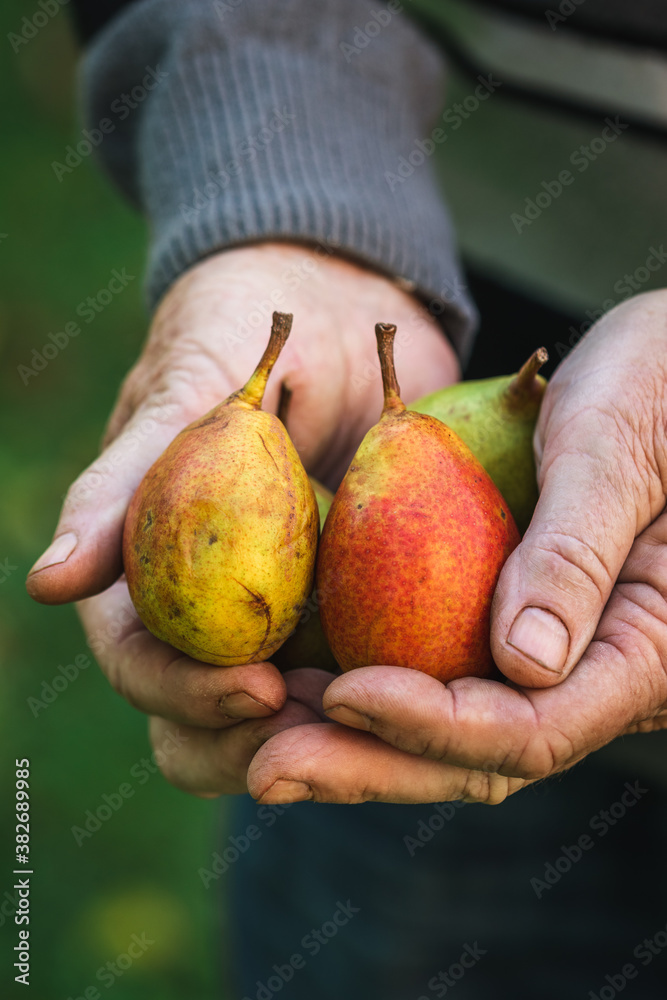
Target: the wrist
pixel 302 151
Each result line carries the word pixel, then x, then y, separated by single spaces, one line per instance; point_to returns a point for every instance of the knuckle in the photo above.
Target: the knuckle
pixel 647 562
pixel 84 486
pixel 185 692
pixel 110 646
pixel 486 788
pixel 546 754
pixel 658 722
pixel 132 383
pixel 574 565
pixel 173 772
pixel 168 753
pixel 114 675
pixel 169 769
pixel 635 629
pixel 161 407
pixel 119 684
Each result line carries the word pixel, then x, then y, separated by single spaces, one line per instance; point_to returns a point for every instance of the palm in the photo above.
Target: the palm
pixel 205 341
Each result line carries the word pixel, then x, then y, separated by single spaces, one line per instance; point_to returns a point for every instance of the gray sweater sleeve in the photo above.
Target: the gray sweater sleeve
pixel 237 121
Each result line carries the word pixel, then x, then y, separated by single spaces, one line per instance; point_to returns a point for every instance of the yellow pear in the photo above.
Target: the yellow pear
pixel 221 535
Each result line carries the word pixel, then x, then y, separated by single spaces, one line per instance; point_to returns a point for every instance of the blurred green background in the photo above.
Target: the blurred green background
pixel 59 242
pixel 138 873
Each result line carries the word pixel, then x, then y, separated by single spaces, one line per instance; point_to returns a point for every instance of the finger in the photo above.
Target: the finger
pixel 482 724
pixel 307 685
pixel 554 586
pixel 85 555
pixel 469 722
pixel 159 680
pixel 620 685
pixel 333 764
pixel 215 762
pixel 651 725
pixel 599 444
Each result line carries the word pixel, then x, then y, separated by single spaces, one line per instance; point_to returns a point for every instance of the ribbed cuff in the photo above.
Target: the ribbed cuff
pixel 286 120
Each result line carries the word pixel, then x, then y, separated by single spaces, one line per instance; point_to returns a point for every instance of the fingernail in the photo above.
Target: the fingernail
pixel 348 717
pixel 242 706
pixel 282 791
pixel 541 636
pixel 58 551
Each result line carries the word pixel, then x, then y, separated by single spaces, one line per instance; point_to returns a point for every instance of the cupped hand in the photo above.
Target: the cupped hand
pixel 579 623
pixel 205 340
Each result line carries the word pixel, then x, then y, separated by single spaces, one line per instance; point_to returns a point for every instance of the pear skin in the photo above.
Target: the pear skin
pixel 412 547
pixel 220 537
pixel 496 418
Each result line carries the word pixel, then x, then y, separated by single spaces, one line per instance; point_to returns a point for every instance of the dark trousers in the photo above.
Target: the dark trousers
pixel 546 897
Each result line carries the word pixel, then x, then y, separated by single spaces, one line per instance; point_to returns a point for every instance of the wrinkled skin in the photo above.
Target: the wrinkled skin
pixel 595 554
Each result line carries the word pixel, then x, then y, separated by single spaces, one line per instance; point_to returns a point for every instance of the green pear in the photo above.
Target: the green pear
pixel 496 418
pixel 324 498
pixel 306 646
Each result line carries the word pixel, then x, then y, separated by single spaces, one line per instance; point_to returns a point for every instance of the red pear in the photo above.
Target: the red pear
pixel 412 547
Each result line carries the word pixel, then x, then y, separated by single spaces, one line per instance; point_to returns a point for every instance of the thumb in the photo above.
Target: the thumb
pixel 553 588
pixel 85 556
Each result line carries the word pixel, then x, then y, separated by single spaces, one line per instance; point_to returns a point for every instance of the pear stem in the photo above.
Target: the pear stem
pixel 523 383
pixel 252 392
pixel 385 333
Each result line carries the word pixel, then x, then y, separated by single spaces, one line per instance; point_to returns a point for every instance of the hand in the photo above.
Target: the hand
pixel 206 338
pixel 589 664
